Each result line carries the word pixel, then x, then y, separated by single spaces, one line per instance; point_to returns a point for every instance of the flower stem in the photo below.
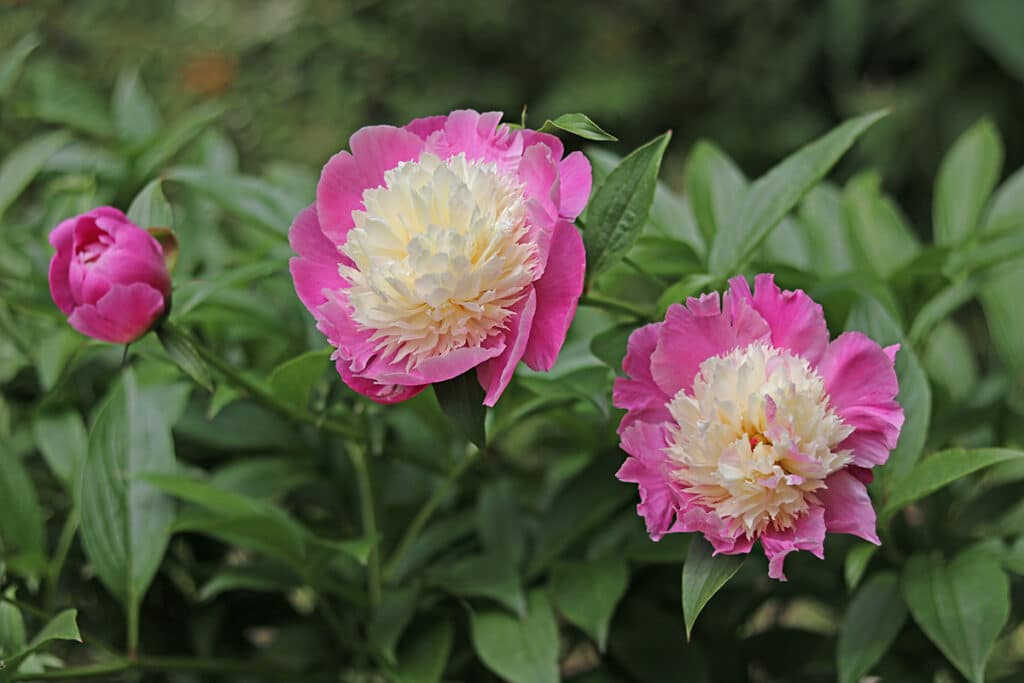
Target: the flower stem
pixel 596 300
pixel 262 395
pixel 427 511
pixel 368 512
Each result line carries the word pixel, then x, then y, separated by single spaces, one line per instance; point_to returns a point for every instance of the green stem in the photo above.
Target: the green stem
pixel 616 306
pixel 660 281
pixel 67 537
pixel 160 664
pixel 426 512
pixel 364 480
pixel 261 394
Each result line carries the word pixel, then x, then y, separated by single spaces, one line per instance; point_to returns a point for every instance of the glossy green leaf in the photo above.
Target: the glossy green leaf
pixel 182 351
pixel 172 139
pixel 915 394
pixel 424 659
pixel 136 115
pixel 1006 210
pixel 874 618
pixel 715 185
pixel 519 650
pixel 961 606
pixel 21 517
pixel 12 627
pixel 586 593
pixel 293 380
pixel 578 124
pixel 64 443
pixel 856 563
pixel 703 576
pixel 150 207
pixel 64 626
pixel 821 215
pixel 126 522
pixel 13 60
pixel 462 400
pixel 21 165
pixel 774 195
pixel 941 469
pixel 968 174
pixel 485 576
pixel 883 240
pixel 620 206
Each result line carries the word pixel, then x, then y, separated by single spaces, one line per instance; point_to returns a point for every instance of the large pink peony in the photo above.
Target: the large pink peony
pixel 440 247
pixel 108 275
pixel 745 423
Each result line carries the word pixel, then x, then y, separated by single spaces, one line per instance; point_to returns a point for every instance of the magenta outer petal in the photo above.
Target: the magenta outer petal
pixel 807 534
pixel 479 137
pixel 317 268
pixel 379 392
pixel 725 538
pixel 62 239
pixel 575 174
pixel 375 150
pixel 860 379
pixel 848 508
pixel 638 393
pixel 309 242
pixel 427 126
pixel 797 323
pixel 495 374
pixel 558 292
pixel 693 333
pixel 124 314
pixel 432 370
pixel 533 137
pixel 647 466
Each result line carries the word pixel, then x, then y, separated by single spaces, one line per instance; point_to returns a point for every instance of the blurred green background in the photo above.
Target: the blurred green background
pixel 757 77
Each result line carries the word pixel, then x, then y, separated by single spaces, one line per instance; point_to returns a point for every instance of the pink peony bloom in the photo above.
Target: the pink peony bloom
pixel 108 276
pixel 745 423
pixel 440 247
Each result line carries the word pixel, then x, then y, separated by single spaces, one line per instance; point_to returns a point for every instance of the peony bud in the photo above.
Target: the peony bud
pixel 108 276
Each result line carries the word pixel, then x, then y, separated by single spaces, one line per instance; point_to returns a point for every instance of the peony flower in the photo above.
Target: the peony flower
pixel 442 247
pixel 744 423
pixel 108 276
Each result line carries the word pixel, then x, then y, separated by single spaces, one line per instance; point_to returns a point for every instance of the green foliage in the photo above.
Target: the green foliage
pixel 703 576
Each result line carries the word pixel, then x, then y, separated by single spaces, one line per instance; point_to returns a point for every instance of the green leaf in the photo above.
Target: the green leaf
pixel 499 523
pixel 150 208
pixel 586 593
pixel 577 124
pixel 64 443
pixel 125 521
pixel 969 173
pixel 998 26
pixel 255 578
pixel 136 115
pixel 1005 317
pixel 774 195
pixel 1006 210
pixel 462 400
pixel 915 394
pixel 610 346
pixel 821 215
pixel 424 659
pixel 22 165
pixel 872 621
pixel 884 241
pixel 293 380
pixel 961 606
pixel 12 628
pixel 390 619
pixel 519 650
pixel 619 207
pixel 172 139
pixel 183 352
pixel 703 576
pixel 856 564
pixel 64 626
pixel 487 576
pixel 21 518
pixel 254 200
pixel 12 61
pixel 950 362
pixel 715 185
pixel 942 469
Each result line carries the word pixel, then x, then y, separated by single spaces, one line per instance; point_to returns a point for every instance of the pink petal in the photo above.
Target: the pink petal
pixel 375 150
pixel 848 508
pixel 495 375
pixel 62 240
pixel 647 466
pixel 438 369
pixel 479 137
pixel 575 174
pixel 726 538
pixel 692 334
pixel 309 242
pixel 797 323
pixel 638 393
pixel 533 137
pixel 311 279
pixel 122 315
pixel 425 127
pixel 807 534
pixel 379 392
pixel 317 268
pixel 861 383
pixel 558 291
